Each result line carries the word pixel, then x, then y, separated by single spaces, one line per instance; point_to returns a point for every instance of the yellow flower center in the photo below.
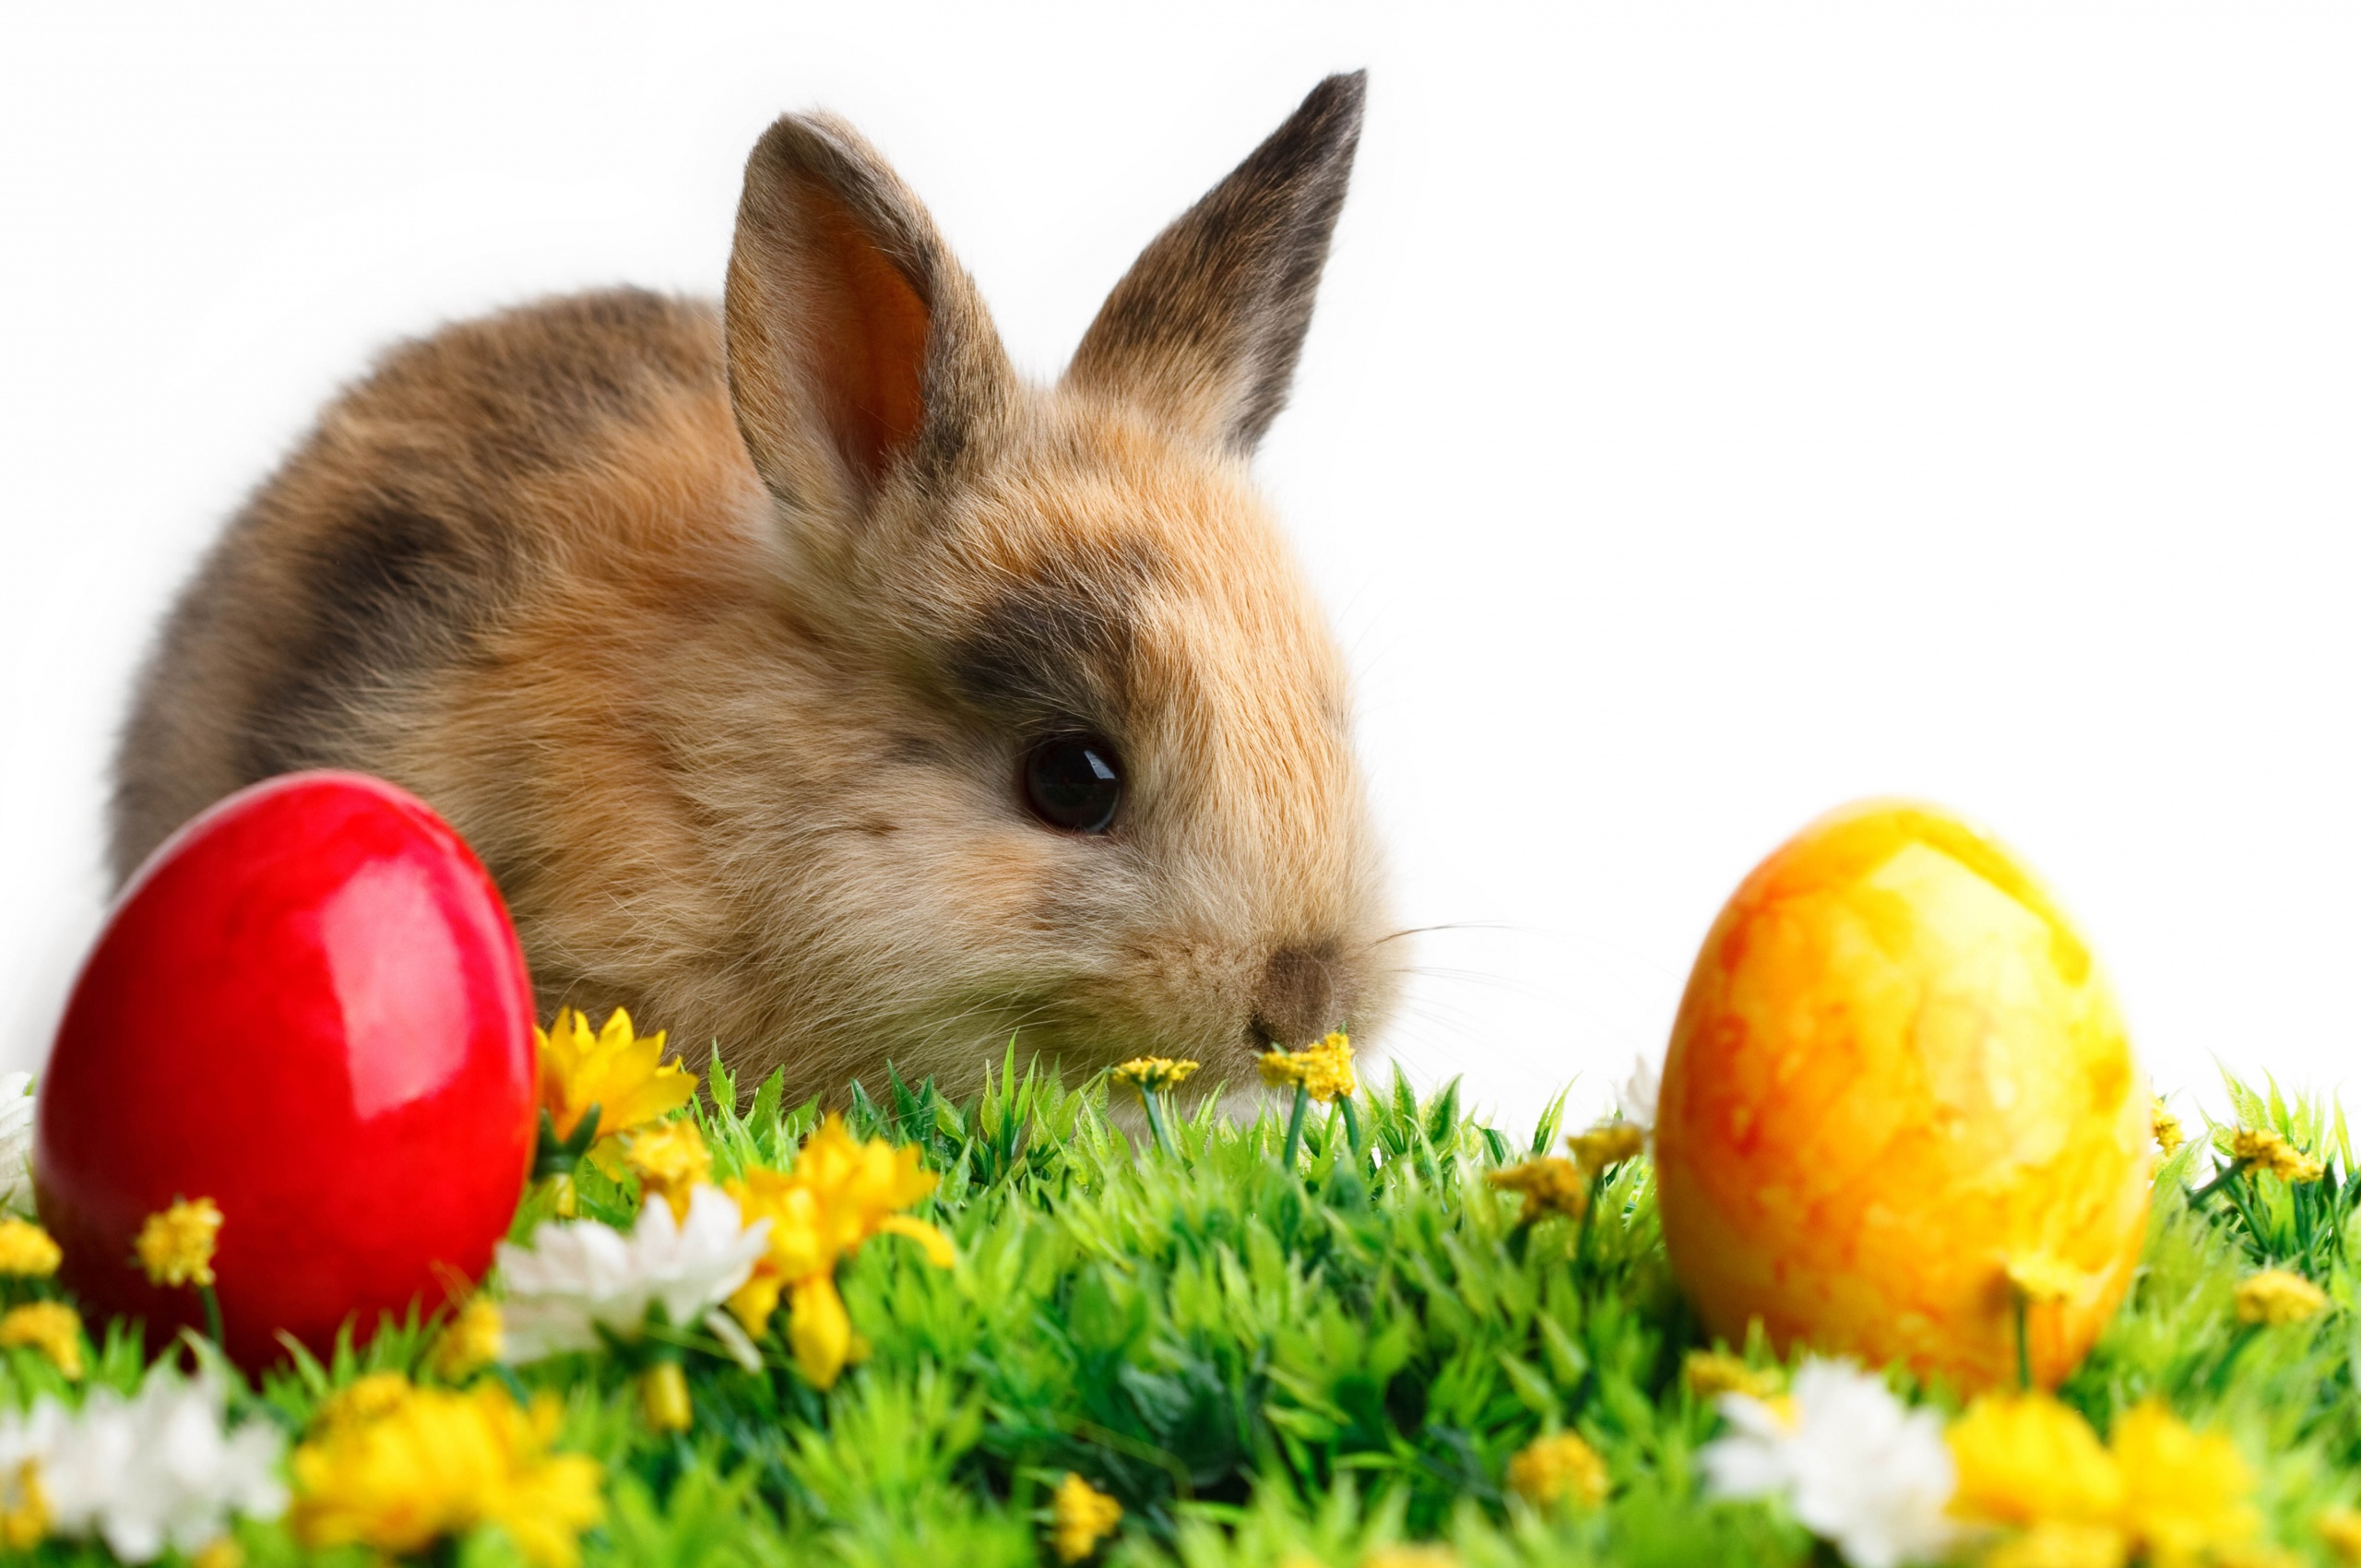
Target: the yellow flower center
pixel 672 1161
pixel 1611 1143
pixel 51 1327
pixel 1549 1186
pixel 1081 1517
pixel 176 1246
pixel 1558 1469
pixel 2276 1296
pixel 472 1339
pixel 1709 1373
pixel 2268 1152
pixel 2043 1278
pixel 27 1249
pixel 1150 1073
pixel 1324 1071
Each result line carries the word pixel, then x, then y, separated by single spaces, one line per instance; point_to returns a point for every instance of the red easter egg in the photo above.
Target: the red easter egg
pixel 310 1007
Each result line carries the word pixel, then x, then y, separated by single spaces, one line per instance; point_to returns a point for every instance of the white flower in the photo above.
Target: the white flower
pixel 1637 1098
pixel 153 1471
pixel 27 1438
pixel 1854 1465
pixel 16 1140
pixel 580 1275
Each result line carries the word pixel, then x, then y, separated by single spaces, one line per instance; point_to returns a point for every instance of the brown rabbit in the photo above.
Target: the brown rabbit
pixel 808 680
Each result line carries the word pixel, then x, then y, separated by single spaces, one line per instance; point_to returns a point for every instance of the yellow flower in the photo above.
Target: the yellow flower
pixel 819 1330
pixel 620 1073
pixel 2041 1278
pixel 2269 1152
pixel 857 1187
pixel 840 1195
pixel 1549 1185
pixel 2166 1127
pixel 176 1246
pixel 408 1466
pixel 1325 1070
pixel 2185 1494
pixel 2276 1296
pixel 27 1251
pixel 24 1508
pixel 53 1328
pixel 222 1551
pixel 2340 1531
pixel 1559 1469
pixel 1710 1373
pixel 1328 1074
pixel 1610 1143
pixel 1081 1517
pixel 671 1161
pixel 1150 1073
pixel 2025 1459
pixel 2058 1544
pixel 471 1339
pixel 664 1398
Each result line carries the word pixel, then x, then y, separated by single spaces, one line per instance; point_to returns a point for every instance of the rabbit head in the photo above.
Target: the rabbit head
pixel 1089 777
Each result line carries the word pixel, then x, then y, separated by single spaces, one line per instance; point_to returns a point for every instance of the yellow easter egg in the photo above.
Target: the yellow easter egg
pixel 1899 1101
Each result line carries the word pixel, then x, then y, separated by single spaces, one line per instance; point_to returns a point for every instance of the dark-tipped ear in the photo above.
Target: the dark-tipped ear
pixel 1206 327
pixel 855 342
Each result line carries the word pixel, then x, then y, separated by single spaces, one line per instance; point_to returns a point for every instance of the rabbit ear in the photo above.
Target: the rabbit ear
pixel 1206 327
pixel 855 342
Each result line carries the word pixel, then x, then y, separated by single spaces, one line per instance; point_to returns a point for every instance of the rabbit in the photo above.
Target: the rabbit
pixel 808 680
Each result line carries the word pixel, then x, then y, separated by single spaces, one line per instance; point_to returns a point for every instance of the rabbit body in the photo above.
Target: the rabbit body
pixel 725 636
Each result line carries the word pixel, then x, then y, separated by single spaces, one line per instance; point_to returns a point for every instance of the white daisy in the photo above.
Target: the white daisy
pixel 16 1140
pixel 1854 1464
pixel 580 1275
pixel 157 1470
pixel 28 1437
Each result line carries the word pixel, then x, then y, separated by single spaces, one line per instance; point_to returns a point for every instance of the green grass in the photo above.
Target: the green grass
pixel 1266 1366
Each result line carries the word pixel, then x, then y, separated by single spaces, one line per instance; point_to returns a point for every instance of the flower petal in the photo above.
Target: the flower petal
pixel 938 1245
pixel 819 1330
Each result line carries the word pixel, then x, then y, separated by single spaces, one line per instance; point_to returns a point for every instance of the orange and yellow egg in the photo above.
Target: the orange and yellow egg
pixel 1898 1103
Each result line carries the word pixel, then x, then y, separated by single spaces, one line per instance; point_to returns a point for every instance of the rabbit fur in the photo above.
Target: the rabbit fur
pixel 722 634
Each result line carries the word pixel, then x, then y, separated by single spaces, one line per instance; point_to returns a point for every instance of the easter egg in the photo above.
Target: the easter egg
pixel 1899 1105
pixel 309 1007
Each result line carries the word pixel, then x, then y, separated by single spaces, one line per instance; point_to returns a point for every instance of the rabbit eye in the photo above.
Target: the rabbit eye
pixel 1074 782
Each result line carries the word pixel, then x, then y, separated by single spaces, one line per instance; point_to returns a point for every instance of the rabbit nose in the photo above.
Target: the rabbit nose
pixel 1301 996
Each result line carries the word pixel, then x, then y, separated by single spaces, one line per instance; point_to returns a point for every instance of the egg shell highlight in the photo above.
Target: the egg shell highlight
pixel 1896 1073
pixel 309 1006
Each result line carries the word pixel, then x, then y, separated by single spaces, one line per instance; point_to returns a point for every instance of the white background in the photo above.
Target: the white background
pixel 1711 415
